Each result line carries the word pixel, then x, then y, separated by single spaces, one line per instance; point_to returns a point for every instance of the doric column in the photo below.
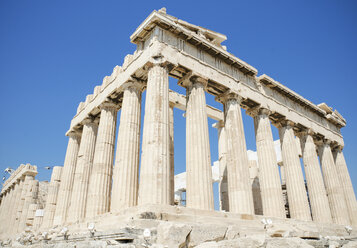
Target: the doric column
pixel 172 154
pixel 295 185
pixel 269 179
pixel 333 186
pixel 222 158
pixel 199 190
pixel 27 201
pixel 155 159
pixel 26 187
pixel 320 208
pixel 37 221
pixel 69 168
pixel 255 184
pixel 2 207
pixel 11 213
pixel 14 210
pixel 98 200
pixel 346 183
pixel 6 208
pixel 126 169
pixel 52 196
pixel 31 215
pixel 239 186
pixel 33 200
pixel 77 208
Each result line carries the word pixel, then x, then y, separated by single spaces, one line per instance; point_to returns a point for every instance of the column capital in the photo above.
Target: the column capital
pixel 258 110
pixel 323 142
pixel 90 120
pixel 73 133
pixel 337 147
pixel 191 79
pixel 284 123
pixel 159 61
pixel 305 132
pixel 229 95
pixel 109 104
pixel 135 84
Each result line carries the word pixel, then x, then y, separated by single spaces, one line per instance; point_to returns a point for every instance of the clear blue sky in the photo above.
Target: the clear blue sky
pixel 53 53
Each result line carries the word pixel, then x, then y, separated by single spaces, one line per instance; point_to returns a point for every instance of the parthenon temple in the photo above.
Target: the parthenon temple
pixel 104 184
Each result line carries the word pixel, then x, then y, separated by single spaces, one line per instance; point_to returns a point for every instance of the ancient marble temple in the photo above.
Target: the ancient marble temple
pixel 101 178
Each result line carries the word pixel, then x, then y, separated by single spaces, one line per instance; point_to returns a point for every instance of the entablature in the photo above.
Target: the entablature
pixel 19 173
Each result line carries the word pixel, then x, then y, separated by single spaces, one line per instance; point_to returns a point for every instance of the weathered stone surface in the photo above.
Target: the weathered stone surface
pixel 204 233
pixel 173 235
pixel 251 242
pixel 287 243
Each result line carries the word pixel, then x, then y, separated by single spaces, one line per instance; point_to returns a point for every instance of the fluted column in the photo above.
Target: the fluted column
pixel 295 185
pixel 27 202
pixel 34 196
pixel 14 210
pixel 11 204
pixel 37 221
pixel 6 208
pixel 333 186
pixel 155 159
pixel 172 155
pixel 2 207
pixel 346 183
pixel 69 168
pixel 126 169
pixel 26 187
pixel 239 186
pixel 320 208
pixel 77 208
pixel 52 196
pixel 199 190
pixel 222 158
pixel 270 186
pixel 98 200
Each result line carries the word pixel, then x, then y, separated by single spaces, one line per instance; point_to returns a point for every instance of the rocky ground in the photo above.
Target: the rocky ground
pixel 179 228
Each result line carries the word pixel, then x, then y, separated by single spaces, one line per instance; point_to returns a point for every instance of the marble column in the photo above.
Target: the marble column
pixel 239 186
pixel 255 184
pixel 269 179
pixel 22 208
pixel 33 200
pixel 11 203
pixel 31 215
pixel 222 154
pixel 52 196
pixel 18 190
pixel 13 226
pixel 172 155
pixel 320 208
pixel 155 159
pixel 126 169
pixel 6 208
pixel 199 189
pixel 77 208
pixel 69 168
pixel 37 221
pixel 346 183
pixel 27 201
pixel 333 186
pixel 2 207
pixel 295 185
pixel 98 200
